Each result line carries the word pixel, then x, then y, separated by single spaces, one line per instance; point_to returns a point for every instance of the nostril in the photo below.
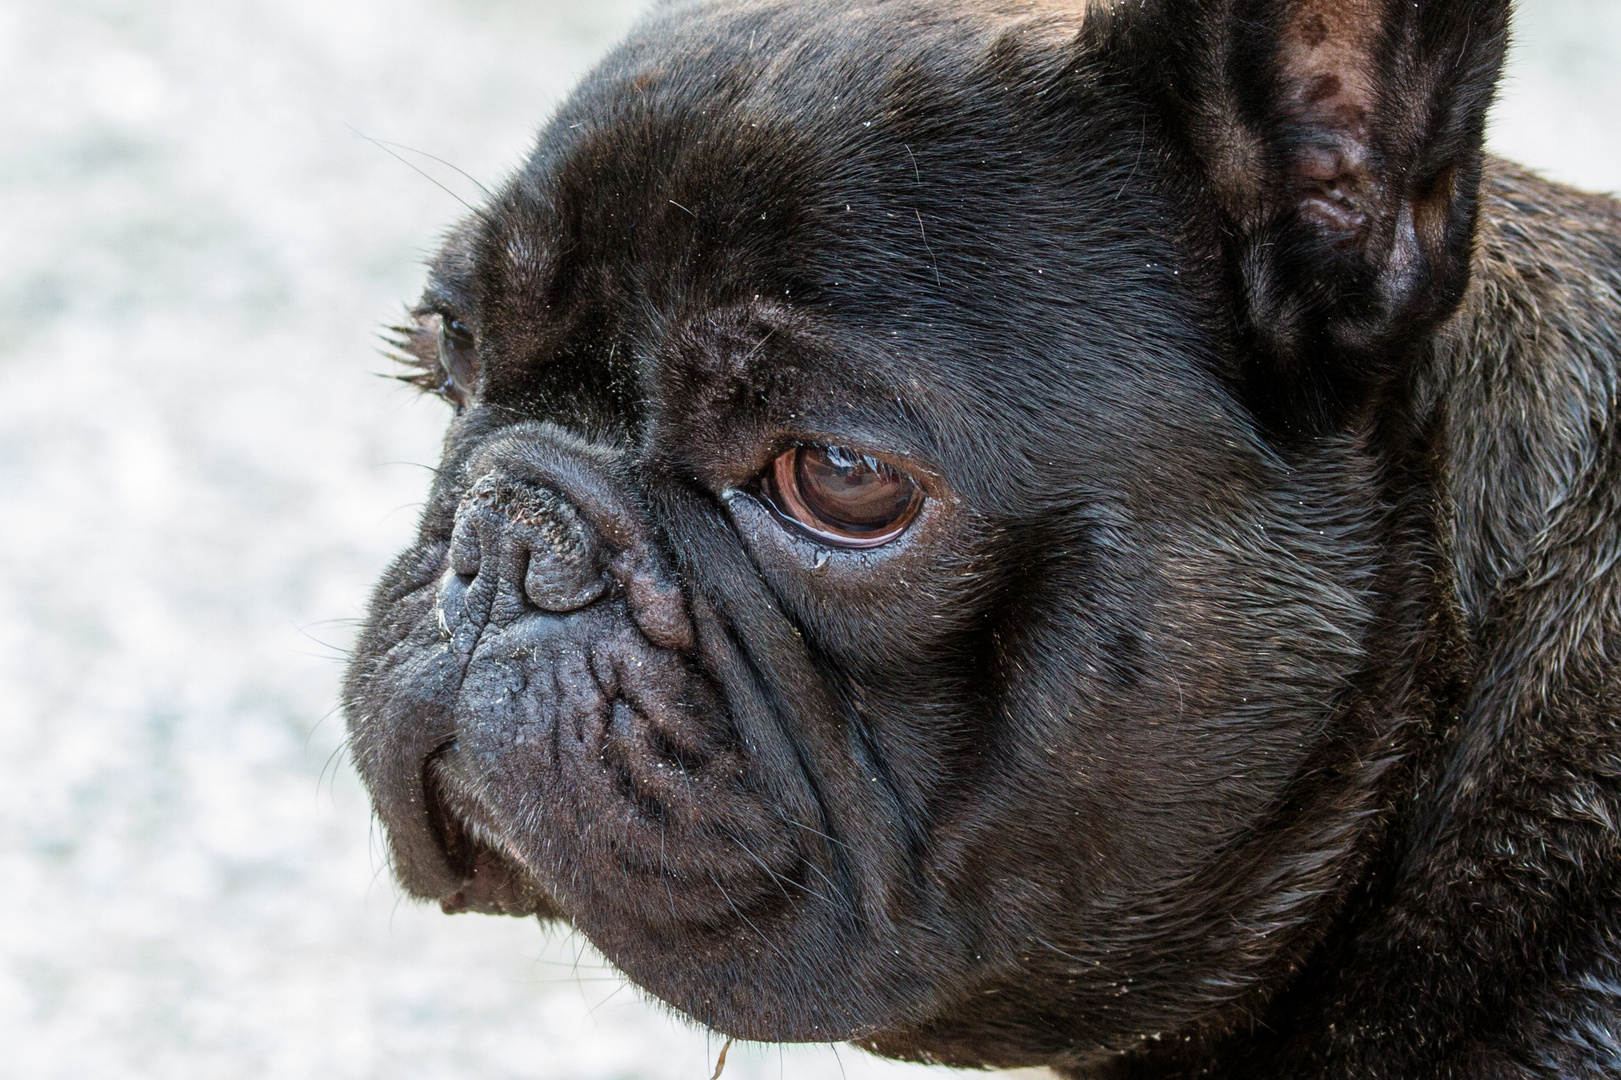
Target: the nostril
pixel 564 580
pixel 532 543
pixel 564 571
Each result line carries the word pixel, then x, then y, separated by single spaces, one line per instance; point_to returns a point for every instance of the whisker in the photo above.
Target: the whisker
pixel 384 148
pixel 440 160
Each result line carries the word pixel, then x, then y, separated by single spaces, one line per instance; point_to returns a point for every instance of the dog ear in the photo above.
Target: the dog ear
pixel 1333 151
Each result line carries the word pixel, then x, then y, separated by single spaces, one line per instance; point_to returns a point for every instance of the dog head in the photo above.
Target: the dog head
pixel 923 551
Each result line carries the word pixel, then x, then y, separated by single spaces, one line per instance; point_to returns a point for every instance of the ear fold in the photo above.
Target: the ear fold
pixel 1334 153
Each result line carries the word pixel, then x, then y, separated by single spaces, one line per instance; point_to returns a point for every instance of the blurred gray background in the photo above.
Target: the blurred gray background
pixel 200 475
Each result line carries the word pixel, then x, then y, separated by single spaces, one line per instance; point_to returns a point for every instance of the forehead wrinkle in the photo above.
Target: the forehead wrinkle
pixel 515 265
pixel 524 261
pixel 708 358
pixel 761 370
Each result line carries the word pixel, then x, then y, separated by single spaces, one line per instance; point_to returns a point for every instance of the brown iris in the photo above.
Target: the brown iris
pixel 842 497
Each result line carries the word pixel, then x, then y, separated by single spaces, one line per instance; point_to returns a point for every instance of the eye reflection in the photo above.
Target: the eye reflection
pixel 842 497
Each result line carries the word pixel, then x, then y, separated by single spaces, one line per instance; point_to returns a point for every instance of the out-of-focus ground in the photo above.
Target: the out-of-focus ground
pixel 200 475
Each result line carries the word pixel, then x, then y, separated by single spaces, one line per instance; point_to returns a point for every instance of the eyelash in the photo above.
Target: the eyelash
pixel 428 347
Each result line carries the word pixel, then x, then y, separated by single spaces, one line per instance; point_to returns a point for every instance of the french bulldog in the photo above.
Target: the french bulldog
pixel 1032 533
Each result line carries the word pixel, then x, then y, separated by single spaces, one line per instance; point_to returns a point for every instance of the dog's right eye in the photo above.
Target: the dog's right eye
pixel 458 361
pixel 442 354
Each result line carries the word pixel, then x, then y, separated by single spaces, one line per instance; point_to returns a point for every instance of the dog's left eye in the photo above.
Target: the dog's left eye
pixel 841 497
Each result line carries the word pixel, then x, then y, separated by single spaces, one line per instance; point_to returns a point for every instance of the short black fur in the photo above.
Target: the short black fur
pixel 1240 704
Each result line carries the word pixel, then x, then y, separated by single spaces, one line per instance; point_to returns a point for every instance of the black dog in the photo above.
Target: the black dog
pixel 1033 533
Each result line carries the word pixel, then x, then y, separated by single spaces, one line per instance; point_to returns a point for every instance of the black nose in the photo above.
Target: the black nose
pixel 529 543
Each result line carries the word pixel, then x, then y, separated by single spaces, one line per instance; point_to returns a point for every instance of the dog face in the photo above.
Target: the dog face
pixel 905 560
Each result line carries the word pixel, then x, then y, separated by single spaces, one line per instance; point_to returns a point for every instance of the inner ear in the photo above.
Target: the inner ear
pixel 1326 59
pixel 1334 149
